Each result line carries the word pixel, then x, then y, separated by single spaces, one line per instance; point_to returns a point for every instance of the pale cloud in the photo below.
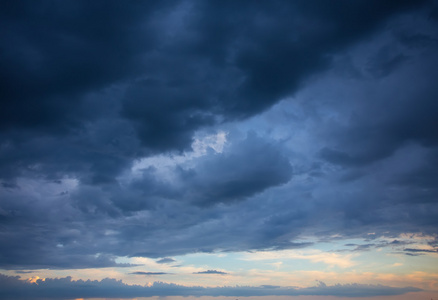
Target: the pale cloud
pixel 316 256
pixel 164 164
pixel 410 237
pixel 214 141
pixel 199 147
pixel 423 280
pixel 417 236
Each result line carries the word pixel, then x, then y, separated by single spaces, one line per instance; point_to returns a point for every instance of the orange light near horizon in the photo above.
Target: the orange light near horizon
pixel 35 279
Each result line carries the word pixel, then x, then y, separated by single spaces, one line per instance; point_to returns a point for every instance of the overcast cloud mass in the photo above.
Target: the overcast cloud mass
pixel 162 129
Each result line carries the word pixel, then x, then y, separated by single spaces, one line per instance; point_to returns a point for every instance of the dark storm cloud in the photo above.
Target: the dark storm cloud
pixel 94 154
pixel 39 252
pixel 278 44
pixel 250 167
pixel 87 89
pixel 387 146
pixel 241 58
pixel 92 219
pixel 54 232
pixel 246 168
pixel 398 118
pixel 62 288
pixel 53 53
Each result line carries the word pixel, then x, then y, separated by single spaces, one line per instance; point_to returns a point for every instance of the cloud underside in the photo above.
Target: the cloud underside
pixel 162 129
pixel 13 287
pixel 148 273
pixel 211 272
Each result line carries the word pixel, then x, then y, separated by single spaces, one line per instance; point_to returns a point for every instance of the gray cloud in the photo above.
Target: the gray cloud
pixel 166 260
pixel 148 273
pixel 211 272
pixel 252 166
pixel 62 288
pixel 128 65
pixel 339 101
pixel 421 250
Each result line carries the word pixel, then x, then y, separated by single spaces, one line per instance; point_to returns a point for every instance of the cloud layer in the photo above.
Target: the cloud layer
pixel 163 129
pixel 66 288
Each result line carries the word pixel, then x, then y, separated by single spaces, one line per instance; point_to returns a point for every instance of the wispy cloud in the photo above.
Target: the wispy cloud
pixel 316 256
pixel 148 273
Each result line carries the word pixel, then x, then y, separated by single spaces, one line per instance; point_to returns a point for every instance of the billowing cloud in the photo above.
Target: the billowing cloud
pixel 163 129
pixel 252 166
pixel 113 86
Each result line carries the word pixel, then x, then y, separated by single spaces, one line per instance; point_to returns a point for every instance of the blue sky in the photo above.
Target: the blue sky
pixel 229 149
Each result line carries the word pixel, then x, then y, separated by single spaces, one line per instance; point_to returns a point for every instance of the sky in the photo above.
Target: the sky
pixel 217 150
